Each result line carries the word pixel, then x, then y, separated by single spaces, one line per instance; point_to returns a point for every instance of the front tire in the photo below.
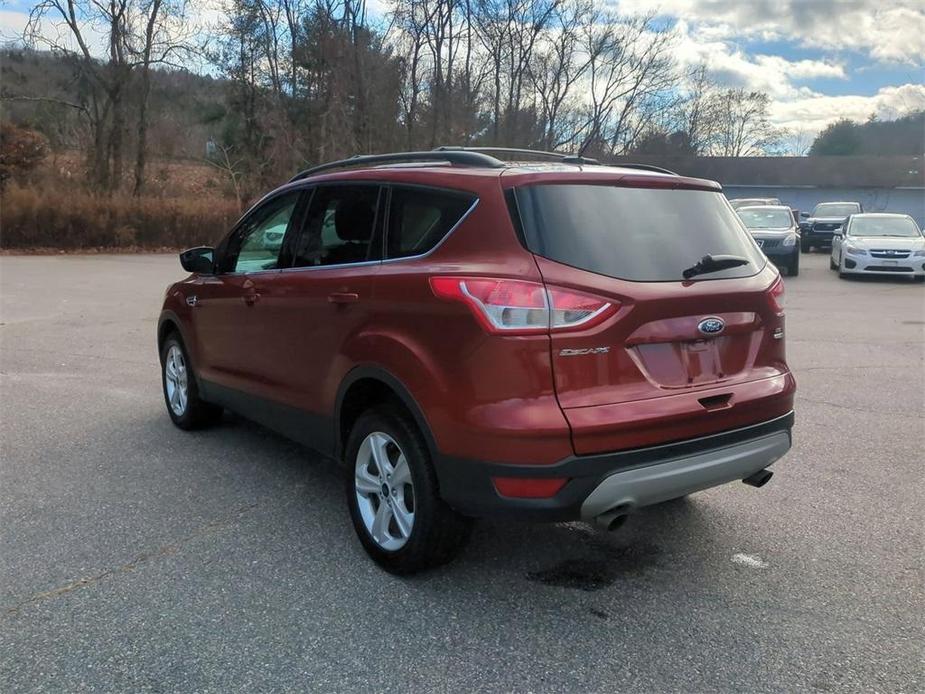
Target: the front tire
pixel 832 265
pixel 181 391
pixel 793 267
pixel 393 497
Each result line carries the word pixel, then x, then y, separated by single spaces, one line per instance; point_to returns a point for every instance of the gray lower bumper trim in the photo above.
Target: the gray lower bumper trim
pixel 673 478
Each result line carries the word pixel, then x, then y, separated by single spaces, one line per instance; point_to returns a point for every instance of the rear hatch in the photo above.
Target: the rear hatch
pixel 674 358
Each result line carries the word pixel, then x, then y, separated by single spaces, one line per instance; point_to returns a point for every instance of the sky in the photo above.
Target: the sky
pixel 818 60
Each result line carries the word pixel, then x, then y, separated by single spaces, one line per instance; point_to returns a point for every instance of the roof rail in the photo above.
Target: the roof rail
pixel 646 167
pixel 458 157
pixel 561 156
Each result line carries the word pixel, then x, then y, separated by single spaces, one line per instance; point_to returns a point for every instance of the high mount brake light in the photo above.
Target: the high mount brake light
pixel 520 307
pixel 776 297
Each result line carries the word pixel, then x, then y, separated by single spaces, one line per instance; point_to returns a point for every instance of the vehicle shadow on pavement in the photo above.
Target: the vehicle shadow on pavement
pixel 572 555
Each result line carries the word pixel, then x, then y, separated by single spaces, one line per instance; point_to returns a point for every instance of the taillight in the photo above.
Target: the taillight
pixel 520 307
pixel 776 297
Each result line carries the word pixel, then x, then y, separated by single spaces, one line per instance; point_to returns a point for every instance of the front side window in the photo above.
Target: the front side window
pixel 420 218
pixel 640 234
pixel 340 227
pixel 899 227
pixel 257 244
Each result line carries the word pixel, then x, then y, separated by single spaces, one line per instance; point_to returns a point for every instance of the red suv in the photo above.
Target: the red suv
pixel 476 338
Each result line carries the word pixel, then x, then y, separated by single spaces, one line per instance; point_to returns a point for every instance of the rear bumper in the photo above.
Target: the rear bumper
pixel 683 475
pixel 628 479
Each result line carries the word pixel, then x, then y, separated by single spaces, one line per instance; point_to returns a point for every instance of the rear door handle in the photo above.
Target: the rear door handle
pixel 251 298
pixel 343 297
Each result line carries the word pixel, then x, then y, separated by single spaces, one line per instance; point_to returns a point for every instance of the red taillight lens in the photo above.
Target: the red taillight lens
pixel 571 309
pixel 529 487
pixel 520 307
pixel 776 297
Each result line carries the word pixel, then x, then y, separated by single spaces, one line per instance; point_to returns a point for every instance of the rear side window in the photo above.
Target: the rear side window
pixel 419 219
pixel 640 234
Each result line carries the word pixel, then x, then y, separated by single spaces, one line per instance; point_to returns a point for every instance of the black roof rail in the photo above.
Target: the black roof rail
pixel 646 167
pixel 458 157
pixel 561 156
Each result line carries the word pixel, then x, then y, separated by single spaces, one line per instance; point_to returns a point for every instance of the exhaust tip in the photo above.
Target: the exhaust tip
pixel 759 479
pixel 611 520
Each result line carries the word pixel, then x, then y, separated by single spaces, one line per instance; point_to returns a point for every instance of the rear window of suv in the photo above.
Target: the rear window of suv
pixel 639 234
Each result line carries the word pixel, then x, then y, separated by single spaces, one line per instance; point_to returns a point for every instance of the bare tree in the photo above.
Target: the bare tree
pixel 558 67
pixel 107 80
pixel 744 128
pixel 164 36
pixel 232 167
pixel 631 69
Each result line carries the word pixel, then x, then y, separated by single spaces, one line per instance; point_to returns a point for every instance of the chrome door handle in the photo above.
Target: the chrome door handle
pixel 192 300
pixel 251 299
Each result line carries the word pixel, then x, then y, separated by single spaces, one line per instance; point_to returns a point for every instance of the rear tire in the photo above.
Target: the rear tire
pixel 393 497
pixel 181 391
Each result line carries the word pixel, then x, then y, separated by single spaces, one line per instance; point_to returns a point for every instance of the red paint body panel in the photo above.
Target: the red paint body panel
pixel 276 335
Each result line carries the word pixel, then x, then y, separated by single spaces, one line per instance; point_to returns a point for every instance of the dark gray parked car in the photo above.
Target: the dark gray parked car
pixel 827 218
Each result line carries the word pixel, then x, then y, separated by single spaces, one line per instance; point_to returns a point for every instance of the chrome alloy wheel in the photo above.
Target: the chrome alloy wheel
pixel 175 380
pixel 384 490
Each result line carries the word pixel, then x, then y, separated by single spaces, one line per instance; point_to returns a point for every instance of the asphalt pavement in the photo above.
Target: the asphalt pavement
pixel 137 557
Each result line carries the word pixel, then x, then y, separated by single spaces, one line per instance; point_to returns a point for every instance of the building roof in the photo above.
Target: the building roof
pixel 818 172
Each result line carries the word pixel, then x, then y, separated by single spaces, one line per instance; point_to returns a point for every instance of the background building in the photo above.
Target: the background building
pixel 881 184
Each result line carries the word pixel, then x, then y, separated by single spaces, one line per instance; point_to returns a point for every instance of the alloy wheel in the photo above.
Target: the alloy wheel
pixel 384 491
pixel 176 380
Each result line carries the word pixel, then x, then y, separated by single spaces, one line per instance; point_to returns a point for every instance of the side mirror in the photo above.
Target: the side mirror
pixel 804 215
pixel 198 260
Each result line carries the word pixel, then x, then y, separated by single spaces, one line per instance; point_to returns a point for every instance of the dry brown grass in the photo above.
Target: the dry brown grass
pixel 70 218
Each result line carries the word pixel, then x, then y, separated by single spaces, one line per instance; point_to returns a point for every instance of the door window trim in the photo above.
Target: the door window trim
pixel 378 228
pixel 298 214
pixel 433 249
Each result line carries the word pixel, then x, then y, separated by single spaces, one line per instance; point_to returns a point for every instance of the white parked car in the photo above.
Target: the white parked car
pixel 879 244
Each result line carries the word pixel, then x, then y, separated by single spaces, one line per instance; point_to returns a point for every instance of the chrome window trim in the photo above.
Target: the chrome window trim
pixel 268 198
pixel 439 243
pixel 389 260
pixel 363 263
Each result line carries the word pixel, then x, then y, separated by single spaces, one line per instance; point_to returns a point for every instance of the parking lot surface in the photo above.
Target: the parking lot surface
pixel 137 557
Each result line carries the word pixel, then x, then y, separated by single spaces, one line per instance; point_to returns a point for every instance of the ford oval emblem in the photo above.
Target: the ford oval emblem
pixel 711 326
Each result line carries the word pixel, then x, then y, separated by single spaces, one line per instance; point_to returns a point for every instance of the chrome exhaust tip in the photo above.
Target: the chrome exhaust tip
pixel 759 479
pixel 611 520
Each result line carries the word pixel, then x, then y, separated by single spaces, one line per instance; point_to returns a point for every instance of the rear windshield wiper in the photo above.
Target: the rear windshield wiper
pixel 714 263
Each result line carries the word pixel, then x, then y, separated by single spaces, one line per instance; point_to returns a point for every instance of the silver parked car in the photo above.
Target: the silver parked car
pixel 879 244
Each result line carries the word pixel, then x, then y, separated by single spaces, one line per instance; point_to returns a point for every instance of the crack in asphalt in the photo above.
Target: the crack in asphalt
pixel 138 561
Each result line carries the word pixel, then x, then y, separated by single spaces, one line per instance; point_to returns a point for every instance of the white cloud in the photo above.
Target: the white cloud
pixel 793 106
pixel 813 113
pixel 730 66
pixel 892 31
pixel 12 24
